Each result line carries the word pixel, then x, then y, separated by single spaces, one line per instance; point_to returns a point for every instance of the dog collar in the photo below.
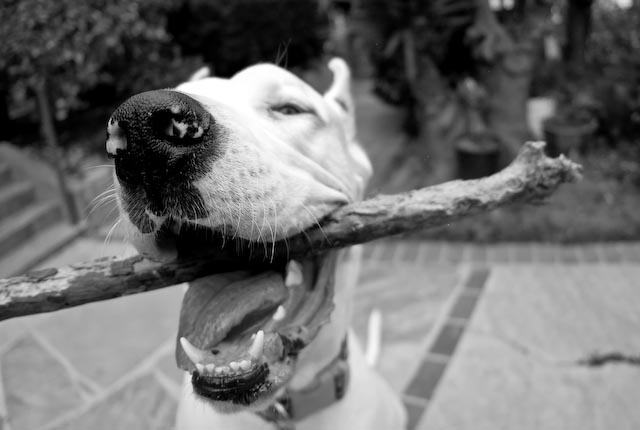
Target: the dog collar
pixel 329 386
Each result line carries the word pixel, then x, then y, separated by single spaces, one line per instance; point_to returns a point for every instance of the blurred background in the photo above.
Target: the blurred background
pixel 463 84
pixel 444 89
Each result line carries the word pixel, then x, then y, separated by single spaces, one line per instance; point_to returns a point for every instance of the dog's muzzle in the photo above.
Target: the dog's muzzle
pixel 161 141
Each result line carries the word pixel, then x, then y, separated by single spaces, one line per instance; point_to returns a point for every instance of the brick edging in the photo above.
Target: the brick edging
pixel 421 388
pixel 466 252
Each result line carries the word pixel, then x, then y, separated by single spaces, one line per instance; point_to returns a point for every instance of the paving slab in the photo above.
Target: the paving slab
pixel 410 298
pixel 523 360
pixel 105 340
pixel 142 404
pixel 37 387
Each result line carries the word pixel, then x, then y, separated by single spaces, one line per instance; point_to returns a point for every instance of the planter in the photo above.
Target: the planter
pixel 564 138
pixel 477 158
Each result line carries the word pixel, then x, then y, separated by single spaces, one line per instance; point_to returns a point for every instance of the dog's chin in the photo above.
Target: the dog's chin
pixel 241 331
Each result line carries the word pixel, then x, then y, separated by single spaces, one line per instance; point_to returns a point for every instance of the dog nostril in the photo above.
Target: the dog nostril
pixel 179 126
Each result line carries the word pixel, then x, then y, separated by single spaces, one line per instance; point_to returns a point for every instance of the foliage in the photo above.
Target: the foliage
pixel 79 46
pixel 436 29
pixel 604 206
pixel 614 55
pixel 233 35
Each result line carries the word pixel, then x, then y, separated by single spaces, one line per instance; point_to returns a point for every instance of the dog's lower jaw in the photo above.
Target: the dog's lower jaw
pixel 369 404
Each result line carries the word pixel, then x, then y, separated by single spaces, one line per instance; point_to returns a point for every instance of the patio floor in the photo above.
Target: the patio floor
pixel 507 336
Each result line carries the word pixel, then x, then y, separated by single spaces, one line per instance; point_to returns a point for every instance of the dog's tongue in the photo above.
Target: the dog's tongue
pixel 221 312
pixel 214 305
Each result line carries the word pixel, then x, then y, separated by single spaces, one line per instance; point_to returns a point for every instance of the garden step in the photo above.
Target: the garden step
pixel 17 229
pixel 15 196
pixel 37 249
pixel 5 174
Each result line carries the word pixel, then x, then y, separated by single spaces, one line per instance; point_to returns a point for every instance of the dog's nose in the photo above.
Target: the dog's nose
pixel 153 132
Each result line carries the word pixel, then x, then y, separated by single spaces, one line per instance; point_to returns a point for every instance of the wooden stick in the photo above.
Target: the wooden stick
pixel 532 176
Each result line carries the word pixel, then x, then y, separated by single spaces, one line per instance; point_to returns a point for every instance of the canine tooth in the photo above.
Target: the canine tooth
pixel 245 364
pixel 257 346
pixel 218 370
pixel 210 367
pixel 223 370
pixel 293 275
pixel 200 368
pixel 279 314
pixel 234 365
pixel 195 354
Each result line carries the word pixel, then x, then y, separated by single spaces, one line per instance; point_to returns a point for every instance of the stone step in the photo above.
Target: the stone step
pixel 14 197
pixel 21 227
pixel 37 249
pixel 5 174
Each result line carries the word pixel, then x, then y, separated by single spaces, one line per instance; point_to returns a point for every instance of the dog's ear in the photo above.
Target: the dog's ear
pixel 340 93
pixel 201 73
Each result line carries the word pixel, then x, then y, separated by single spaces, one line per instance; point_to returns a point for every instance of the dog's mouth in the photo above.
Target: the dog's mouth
pixel 240 332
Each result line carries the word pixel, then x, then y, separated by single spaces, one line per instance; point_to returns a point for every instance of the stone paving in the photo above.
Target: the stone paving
pixel 506 353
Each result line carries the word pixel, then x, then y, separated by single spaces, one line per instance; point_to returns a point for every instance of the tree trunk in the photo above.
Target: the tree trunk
pixel 48 132
pixel 6 126
pixel 578 27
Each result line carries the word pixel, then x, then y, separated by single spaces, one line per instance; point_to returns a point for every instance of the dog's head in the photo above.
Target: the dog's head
pixel 256 158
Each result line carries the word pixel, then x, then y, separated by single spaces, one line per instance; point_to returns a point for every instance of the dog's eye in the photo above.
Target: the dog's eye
pixel 289 109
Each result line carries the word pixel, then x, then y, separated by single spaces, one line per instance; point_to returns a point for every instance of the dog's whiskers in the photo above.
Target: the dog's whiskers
pixel 98 166
pixel 105 200
pixel 107 238
pixel 235 233
pixel 315 220
pixel 275 216
pixel 273 236
pixel 264 219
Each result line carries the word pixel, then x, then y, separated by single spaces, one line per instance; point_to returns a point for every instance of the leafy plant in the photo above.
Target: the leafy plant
pixel 233 35
pixel 78 46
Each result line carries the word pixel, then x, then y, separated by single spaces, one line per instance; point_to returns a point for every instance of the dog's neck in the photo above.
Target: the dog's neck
pixel 326 346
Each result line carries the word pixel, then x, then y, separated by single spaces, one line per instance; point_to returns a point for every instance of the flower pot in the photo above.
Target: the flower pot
pixel 566 137
pixel 477 158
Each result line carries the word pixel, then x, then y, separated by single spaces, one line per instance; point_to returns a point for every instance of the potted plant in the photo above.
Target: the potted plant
pixel 570 130
pixel 477 150
pixel 477 156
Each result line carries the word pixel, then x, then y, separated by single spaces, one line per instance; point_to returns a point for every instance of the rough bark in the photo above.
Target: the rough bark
pixel 531 177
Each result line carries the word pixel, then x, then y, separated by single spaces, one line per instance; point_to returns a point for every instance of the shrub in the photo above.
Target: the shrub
pixel 120 46
pixel 233 35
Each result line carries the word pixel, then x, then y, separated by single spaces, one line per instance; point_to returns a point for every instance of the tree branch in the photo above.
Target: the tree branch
pixel 531 177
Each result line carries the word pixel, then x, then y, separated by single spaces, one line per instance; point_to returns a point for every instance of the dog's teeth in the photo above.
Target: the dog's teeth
pixel 200 368
pixel 195 354
pixel 293 275
pixel 224 370
pixel 257 346
pixel 245 364
pixel 279 314
pixel 210 368
pixel 218 371
pixel 234 365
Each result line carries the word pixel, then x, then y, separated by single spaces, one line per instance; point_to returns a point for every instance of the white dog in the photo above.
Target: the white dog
pixel 256 158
